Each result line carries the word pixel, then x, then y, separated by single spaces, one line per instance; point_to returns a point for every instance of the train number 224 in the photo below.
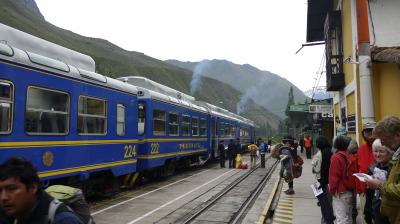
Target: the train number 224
pixel 130 151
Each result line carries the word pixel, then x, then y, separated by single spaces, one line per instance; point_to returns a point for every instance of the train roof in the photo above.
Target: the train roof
pixel 19 47
pixel 156 87
pixel 45 48
pixel 151 94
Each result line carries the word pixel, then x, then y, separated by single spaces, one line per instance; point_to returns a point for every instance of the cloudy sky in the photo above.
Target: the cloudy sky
pixel 262 33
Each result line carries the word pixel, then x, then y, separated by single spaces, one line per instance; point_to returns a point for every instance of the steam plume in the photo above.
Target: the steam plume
pixel 252 93
pixel 196 77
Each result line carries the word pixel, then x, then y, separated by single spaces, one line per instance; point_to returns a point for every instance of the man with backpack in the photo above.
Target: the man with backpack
pixel 23 201
pixel 342 183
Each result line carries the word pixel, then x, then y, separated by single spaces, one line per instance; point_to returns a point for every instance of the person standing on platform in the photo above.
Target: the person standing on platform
pixel 231 154
pixel 269 146
pixel 238 148
pixel 301 143
pixel 308 145
pixel 22 199
pixel 253 154
pixel 382 155
pixel 321 162
pixel 352 150
pixel 365 159
pixel 289 154
pixel 221 149
pixel 388 131
pixel 262 153
pixel 342 196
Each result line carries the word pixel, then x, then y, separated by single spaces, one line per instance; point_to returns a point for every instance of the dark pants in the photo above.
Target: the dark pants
pixel 222 161
pixel 262 160
pixel 301 149
pixel 308 153
pixel 325 202
pixel 231 162
pixel 290 184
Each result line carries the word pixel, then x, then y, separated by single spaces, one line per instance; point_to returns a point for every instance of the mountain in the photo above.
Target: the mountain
pixel 31 5
pixel 318 94
pixel 113 61
pixel 265 88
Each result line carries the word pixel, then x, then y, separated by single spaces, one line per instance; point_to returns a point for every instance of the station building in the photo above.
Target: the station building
pixel 362 49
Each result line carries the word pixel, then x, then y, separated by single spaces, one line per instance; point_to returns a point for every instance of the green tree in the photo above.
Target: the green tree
pixel 290 101
pixel 288 120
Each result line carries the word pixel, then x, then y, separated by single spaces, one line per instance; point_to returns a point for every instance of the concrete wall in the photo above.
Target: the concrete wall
pixel 385 17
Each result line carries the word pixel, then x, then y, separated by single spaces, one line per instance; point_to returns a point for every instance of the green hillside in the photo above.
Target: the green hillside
pixel 114 61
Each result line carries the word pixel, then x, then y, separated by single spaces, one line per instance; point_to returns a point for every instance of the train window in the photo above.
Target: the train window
pixel 185 125
pixel 48 62
pixel 6 50
pixel 203 127
pixel 222 129
pixel 47 111
pixel 159 122
pixel 92 116
pixel 195 126
pixel 173 124
pixel 120 119
pixel 6 106
pixel 141 118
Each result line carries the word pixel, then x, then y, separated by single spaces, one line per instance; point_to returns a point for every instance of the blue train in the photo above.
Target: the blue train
pixel 76 125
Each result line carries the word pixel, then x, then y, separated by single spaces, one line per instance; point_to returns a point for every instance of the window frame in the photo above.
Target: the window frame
pixel 173 124
pixel 139 122
pixel 67 111
pixel 195 127
pixel 186 123
pixel 203 121
pixel 165 123
pixel 11 102
pixel 120 105
pixel 105 117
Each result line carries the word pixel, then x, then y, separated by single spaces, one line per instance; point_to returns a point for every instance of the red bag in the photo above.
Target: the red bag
pixel 297 168
pixel 243 166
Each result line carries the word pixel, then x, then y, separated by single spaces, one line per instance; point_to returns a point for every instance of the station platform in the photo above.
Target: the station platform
pixel 300 208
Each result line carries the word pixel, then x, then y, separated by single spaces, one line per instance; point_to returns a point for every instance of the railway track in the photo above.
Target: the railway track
pixel 230 204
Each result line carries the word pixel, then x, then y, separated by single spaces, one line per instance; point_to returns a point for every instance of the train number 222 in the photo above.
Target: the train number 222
pixel 154 148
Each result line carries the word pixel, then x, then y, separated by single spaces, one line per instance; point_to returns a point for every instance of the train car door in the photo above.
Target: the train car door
pixel 214 137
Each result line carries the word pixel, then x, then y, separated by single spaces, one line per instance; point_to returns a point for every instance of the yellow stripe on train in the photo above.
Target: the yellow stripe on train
pixel 85 168
pixel 90 142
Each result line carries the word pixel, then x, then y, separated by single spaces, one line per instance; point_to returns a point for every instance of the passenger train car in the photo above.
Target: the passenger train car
pixel 76 125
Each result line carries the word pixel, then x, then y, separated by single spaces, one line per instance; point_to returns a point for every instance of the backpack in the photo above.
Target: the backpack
pixel 349 179
pixel 74 200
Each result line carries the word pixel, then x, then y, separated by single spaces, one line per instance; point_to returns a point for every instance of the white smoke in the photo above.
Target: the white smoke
pixel 195 84
pixel 252 93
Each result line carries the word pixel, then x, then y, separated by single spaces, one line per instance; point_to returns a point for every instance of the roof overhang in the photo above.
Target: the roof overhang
pixel 316 14
pixel 386 54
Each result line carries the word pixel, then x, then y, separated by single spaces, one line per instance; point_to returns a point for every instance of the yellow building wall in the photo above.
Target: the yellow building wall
pixel 351 103
pixel 351 109
pixel 386 87
pixel 347 41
